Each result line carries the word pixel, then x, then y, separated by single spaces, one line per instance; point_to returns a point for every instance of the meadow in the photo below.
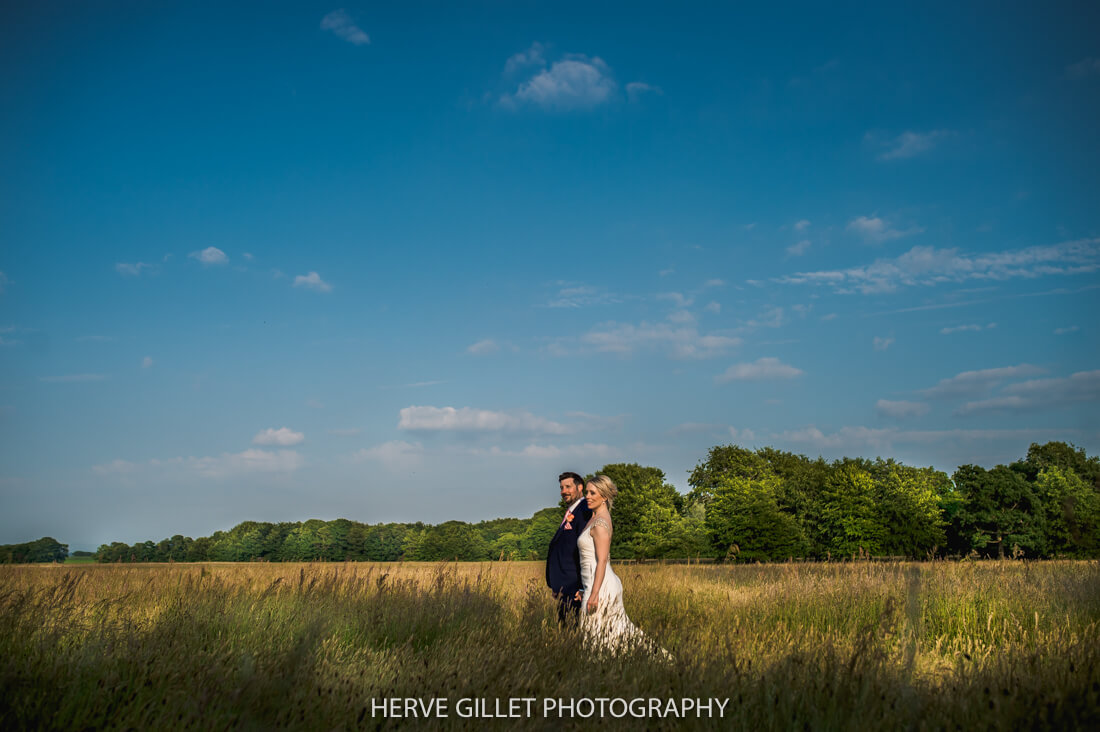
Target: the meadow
pixel 859 645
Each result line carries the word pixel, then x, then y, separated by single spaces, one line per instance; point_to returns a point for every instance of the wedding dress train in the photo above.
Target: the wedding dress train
pixel 609 628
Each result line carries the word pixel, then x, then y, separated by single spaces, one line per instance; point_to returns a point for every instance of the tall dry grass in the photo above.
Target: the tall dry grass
pixel 999 645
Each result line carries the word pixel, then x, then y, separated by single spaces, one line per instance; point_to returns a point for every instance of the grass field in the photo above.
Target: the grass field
pixel 997 645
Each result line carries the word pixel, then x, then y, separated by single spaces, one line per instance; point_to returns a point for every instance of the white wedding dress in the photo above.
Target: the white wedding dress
pixel 609 628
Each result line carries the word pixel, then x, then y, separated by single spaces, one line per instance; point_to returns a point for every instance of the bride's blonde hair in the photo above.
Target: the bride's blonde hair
pixel 605 488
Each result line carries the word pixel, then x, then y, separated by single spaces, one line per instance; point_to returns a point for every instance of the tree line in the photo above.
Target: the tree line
pixel 744 505
pixel 46 549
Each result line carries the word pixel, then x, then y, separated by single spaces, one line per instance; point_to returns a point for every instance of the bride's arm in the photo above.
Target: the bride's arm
pixel 601 537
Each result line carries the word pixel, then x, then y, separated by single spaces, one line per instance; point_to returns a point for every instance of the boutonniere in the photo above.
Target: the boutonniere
pixel 569 519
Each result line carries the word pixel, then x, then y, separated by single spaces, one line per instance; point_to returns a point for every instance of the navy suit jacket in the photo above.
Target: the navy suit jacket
pixel 563 561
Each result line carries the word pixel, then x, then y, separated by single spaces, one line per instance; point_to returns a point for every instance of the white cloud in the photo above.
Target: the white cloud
pixel 115 467
pixel 911 144
pixel 1036 394
pixel 974 327
pixel 315 404
pixel 881 344
pixel 876 230
pixel 146 362
pixel 95 339
pixel 72 378
pixel 928 266
pixel 467 419
pixel 248 256
pixel 345 431
pixel 283 437
pixel 396 455
pixel 798 249
pixel 713 307
pixel 341 24
pixel 759 370
pixel 249 461
pixel 1064 331
pixel 714 282
pixel 483 347
pixel 773 317
pixel 224 465
pixel 127 269
pixel 209 256
pixel 970 383
pixel 677 339
pixel 635 90
pixel 586 451
pixel 533 56
pixel 801 225
pixel 744 435
pixel 1084 68
pixel 575 82
pixel 859 437
pixel 578 296
pixel 900 409
pixel 690 428
pixel 312 281
pixel 8 342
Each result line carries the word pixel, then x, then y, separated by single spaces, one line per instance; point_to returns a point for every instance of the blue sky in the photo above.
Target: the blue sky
pixel 410 261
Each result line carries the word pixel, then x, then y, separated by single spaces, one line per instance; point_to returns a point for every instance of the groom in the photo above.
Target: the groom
pixel 563 562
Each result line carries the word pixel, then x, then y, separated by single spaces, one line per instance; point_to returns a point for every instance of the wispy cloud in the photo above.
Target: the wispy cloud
pixel 341 24
pixel 635 90
pixel 283 437
pixel 312 281
pixel 72 378
pixel 972 383
pixel 973 327
pixel 1066 330
pixel 1084 68
pixel 762 369
pixel 395 455
pixel 798 249
pixel 3 282
pixel 572 83
pixel 909 144
pixel 579 296
pixel 533 56
pixel 881 344
pixel 126 269
pixel 876 230
pixel 468 419
pixel 900 409
pixel 210 256
pixel 679 338
pixel 483 347
pixel 1037 394
pixel 95 339
pixel 928 266
pixel 220 466
pixel 147 362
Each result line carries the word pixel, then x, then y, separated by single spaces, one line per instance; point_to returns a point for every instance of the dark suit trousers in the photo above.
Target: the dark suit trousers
pixel 569 611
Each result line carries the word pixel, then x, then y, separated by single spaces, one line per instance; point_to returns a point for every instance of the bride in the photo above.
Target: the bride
pixel 605 623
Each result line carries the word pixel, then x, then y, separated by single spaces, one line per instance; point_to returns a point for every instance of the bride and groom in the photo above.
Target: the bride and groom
pixel 578 566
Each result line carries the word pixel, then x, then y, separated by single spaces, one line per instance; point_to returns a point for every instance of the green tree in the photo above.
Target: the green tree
pixel 744 520
pixel 1072 512
pixel 452 540
pixel 1000 512
pixel 909 510
pixel 640 489
pixel 850 518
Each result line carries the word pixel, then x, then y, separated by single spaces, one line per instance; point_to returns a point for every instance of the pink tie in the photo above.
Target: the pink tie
pixel 568 517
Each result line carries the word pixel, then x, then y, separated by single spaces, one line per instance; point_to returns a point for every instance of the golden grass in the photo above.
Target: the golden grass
pixel 997 645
